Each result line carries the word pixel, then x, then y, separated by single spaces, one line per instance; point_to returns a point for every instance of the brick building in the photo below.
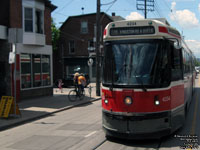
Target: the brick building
pixel 77 42
pixel 25 27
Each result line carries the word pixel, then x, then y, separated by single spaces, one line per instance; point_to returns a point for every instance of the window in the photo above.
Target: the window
pixel 84 27
pixel 91 46
pixel 26 77
pixel 46 70
pixel 28 19
pixel 33 20
pixel 38 21
pixel 71 47
pixel 35 70
pixel 176 64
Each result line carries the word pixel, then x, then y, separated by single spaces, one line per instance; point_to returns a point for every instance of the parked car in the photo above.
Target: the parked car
pixel 69 80
pixel 197 71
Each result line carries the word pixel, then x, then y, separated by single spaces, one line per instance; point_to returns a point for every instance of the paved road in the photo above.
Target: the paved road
pixel 79 128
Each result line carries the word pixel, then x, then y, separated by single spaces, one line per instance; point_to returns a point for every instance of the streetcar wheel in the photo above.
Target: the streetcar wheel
pixel 72 95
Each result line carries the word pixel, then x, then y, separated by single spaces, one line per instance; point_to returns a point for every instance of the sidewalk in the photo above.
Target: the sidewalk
pixel 33 109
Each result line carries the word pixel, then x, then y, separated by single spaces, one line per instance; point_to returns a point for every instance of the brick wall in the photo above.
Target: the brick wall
pixel 4 15
pixel 47 25
pixel 71 31
pixel 15 14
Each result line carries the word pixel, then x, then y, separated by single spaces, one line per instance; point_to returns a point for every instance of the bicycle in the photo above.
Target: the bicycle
pixel 75 95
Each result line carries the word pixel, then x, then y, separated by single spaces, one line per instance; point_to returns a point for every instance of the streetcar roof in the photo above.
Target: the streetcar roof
pixel 143 28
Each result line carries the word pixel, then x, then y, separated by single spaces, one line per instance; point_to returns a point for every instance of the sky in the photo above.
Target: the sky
pixel 184 15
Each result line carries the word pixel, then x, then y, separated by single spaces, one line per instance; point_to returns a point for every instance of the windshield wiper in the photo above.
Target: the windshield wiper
pixel 141 82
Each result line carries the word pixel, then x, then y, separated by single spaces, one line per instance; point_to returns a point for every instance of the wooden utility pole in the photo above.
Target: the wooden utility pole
pixel 98 49
pixel 145 9
pixel 145 5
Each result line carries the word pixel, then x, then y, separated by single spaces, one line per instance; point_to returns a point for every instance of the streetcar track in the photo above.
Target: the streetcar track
pixel 101 143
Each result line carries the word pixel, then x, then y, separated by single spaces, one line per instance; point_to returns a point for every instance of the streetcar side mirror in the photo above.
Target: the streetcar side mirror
pixel 177 44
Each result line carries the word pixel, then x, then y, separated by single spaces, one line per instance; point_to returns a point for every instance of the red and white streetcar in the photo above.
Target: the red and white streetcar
pixel 147 79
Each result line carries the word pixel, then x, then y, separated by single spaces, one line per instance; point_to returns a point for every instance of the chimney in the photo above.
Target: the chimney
pixel 113 14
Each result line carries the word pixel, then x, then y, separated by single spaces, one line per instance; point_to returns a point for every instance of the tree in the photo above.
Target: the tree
pixel 197 62
pixel 55 35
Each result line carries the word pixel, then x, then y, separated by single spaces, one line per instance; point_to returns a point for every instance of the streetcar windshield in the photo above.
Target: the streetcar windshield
pixel 132 62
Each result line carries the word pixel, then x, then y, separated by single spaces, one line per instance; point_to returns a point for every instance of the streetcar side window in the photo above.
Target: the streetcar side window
pixel 176 64
pixel 186 62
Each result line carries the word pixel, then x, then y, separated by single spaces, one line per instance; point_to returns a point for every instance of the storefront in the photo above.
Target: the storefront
pixel 35 71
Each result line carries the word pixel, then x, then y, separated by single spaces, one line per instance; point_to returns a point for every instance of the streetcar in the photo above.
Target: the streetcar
pixel 147 79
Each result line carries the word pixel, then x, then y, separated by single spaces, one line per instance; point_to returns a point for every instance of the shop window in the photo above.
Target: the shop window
pixel 35 70
pixel 25 60
pixel 46 80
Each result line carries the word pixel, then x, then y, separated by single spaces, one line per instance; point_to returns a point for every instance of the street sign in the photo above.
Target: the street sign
pixel 11 59
pixel 90 62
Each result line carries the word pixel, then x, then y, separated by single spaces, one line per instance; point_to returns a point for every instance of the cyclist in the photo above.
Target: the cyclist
pixel 76 75
pixel 81 82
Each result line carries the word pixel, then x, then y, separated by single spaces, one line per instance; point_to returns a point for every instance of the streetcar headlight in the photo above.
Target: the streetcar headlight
pixel 106 101
pixel 157 102
pixel 128 100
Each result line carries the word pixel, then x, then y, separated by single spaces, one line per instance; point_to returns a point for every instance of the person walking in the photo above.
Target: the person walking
pixel 60 84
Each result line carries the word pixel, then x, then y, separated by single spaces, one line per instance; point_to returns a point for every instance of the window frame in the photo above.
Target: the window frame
pixel 41 23
pixel 71 47
pixel 24 19
pixel 176 73
pixel 43 82
pixel 34 20
pixel 84 29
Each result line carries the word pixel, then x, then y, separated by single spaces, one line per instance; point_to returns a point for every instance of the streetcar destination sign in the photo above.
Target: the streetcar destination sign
pixel 132 31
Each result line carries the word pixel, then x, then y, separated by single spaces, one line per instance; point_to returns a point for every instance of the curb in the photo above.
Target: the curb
pixel 12 125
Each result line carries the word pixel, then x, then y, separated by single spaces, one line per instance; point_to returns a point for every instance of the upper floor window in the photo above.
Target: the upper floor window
pixel 33 20
pixel 38 21
pixel 84 27
pixel 28 19
pixel 71 47
pixel 91 46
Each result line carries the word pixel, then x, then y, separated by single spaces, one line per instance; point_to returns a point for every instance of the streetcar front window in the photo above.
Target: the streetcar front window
pixel 132 62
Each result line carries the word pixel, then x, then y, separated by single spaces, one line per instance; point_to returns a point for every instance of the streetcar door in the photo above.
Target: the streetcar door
pixel 177 88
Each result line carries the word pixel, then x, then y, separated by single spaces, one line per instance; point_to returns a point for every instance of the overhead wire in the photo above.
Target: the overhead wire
pixel 59 10
pixel 157 9
pixel 108 9
pixel 109 3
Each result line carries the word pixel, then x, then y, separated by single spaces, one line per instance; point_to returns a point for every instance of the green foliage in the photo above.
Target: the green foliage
pixel 197 63
pixel 55 35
